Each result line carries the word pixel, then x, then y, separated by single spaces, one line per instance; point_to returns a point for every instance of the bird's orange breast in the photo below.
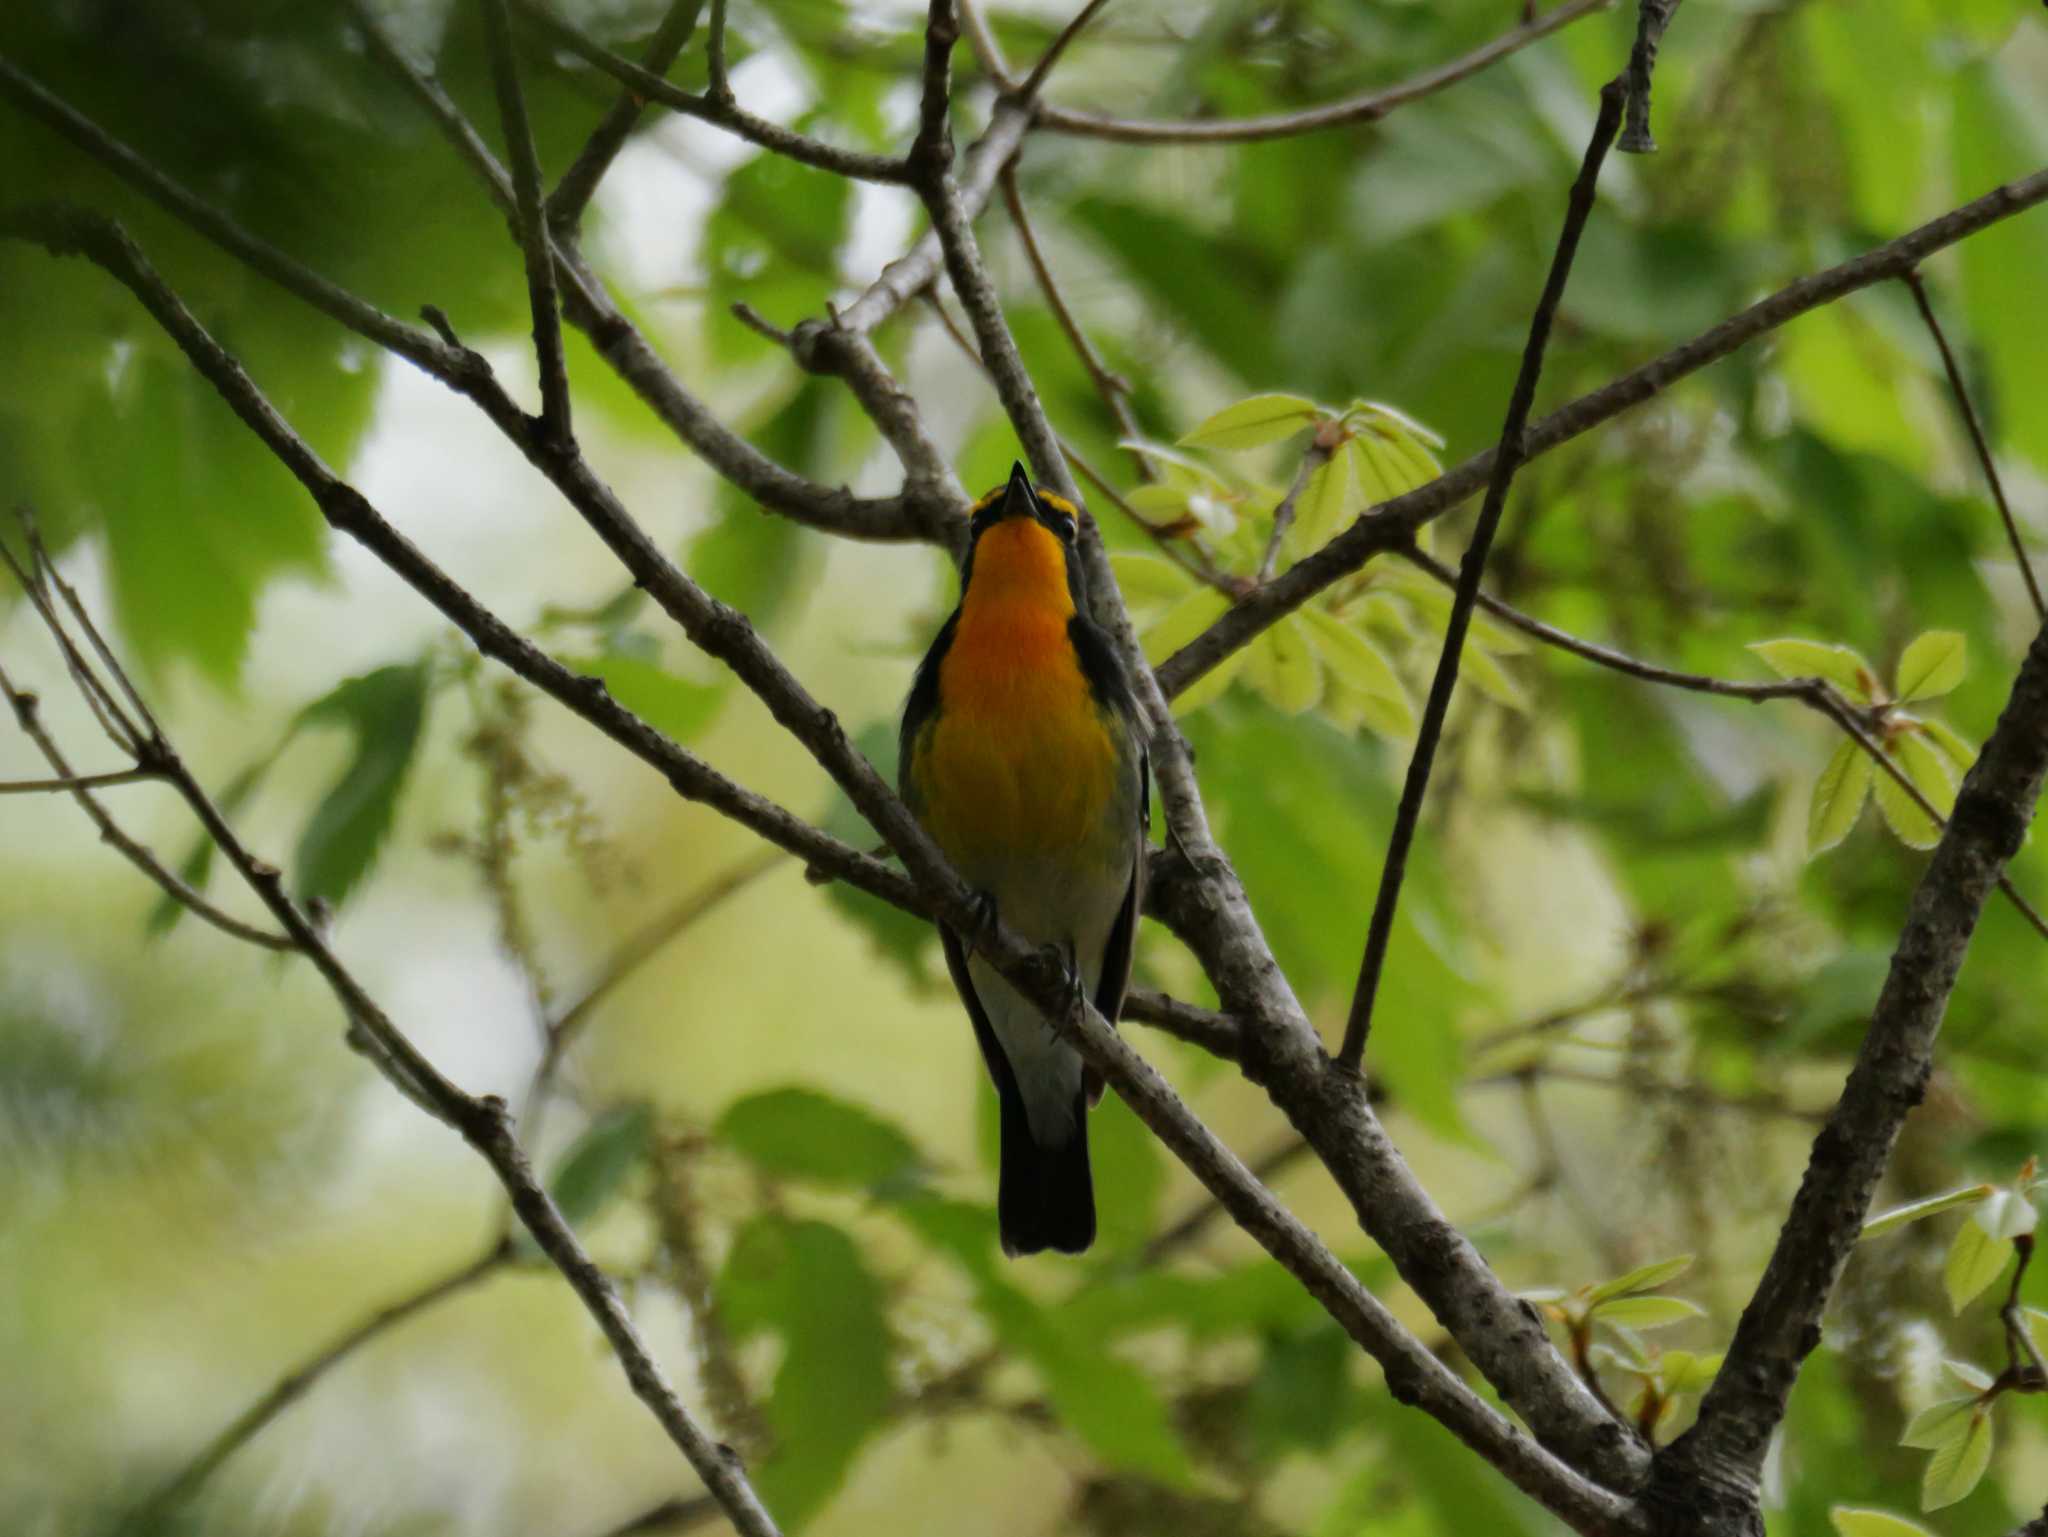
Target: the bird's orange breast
pixel 1019 759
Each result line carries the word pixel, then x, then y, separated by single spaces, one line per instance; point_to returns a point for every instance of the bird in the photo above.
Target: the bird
pixel 1022 755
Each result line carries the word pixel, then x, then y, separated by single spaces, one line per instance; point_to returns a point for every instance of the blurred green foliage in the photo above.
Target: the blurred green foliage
pixel 1617 983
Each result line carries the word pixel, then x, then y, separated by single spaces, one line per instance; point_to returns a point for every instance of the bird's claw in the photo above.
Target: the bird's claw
pixel 1076 986
pixel 984 919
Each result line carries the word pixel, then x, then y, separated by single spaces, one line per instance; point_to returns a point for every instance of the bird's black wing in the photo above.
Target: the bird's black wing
pixel 922 705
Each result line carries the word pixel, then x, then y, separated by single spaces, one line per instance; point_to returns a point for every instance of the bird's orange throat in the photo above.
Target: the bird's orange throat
pixel 1020 756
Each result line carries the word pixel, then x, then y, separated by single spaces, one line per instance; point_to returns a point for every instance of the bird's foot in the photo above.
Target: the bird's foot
pixel 1076 986
pixel 984 919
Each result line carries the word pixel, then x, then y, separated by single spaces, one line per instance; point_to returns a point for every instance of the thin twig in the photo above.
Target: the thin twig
pixel 76 782
pixel 1507 460
pixel 1815 693
pixel 1369 107
pixel 533 229
pixel 987 51
pixel 1190 557
pixel 670 1516
pixel 719 88
pixel 722 112
pixel 27 714
pixel 1317 455
pixel 1035 81
pixel 573 192
pixel 300 1380
pixel 1912 279
pixel 1113 390
pixel 485 1124
pixel 1393 523
pixel 634 953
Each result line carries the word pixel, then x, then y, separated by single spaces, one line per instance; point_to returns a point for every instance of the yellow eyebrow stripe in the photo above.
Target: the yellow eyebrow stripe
pixel 1054 500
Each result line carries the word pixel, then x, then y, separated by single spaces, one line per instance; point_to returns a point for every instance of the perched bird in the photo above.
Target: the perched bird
pixel 1023 756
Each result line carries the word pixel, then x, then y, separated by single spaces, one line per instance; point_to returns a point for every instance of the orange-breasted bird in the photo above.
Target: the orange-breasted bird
pixel 1023 756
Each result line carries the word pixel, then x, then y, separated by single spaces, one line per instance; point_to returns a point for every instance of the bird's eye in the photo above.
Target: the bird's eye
pixel 1064 526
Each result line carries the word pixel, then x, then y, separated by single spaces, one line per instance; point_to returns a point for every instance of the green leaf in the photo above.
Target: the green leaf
pixel 594 1169
pixel 1322 507
pixel 1301 1395
pixel 679 708
pixel 1483 671
pixel 385 711
pixel 1839 665
pixel 1355 661
pixel 1954 746
pixel 801 1134
pixel 1684 1372
pixel 1642 1279
pixel 1939 1423
pixel 1932 1205
pixel 1902 814
pixel 1970 1376
pixel 1182 623
pixel 806 1283
pixel 1149 579
pixel 1648 1312
pixel 1252 423
pixel 1928 768
pixel 1838 797
pixel 1858 1521
pixel 1975 1260
pixel 1283 666
pixel 1955 1468
pixel 1931 666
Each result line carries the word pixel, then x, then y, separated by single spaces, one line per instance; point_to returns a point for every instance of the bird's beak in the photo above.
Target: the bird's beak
pixel 1019 500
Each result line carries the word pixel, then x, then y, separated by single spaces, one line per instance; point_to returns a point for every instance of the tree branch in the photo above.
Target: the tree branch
pixel 573 192
pixel 1367 108
pixel 485 1124
pixel 1978 441
pixel 1652 17
pixel 74 783
pixel 1506 461
pixel 301 1379
pixel 1709 1474
pixel 1815 693
pixel 1392 523
pixel 616 339
pixel 555 427
pixel 1113 390
pixel 721 111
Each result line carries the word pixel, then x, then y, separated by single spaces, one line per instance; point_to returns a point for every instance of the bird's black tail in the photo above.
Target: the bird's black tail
pixel 1046 1197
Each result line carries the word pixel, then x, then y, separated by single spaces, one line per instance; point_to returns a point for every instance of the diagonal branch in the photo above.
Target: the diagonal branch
pixel 720 110
pixel 484 1123
pixel 1506 462
pixel 533 229
pixel 1978 441
pixel 175 1491
pixel 1369 107
pixel 28 715
pixel 1815 693
pixel 573 192
pixel 1392 523
pixel 1717 1463
pixel 1279 1048
pixel 617 340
